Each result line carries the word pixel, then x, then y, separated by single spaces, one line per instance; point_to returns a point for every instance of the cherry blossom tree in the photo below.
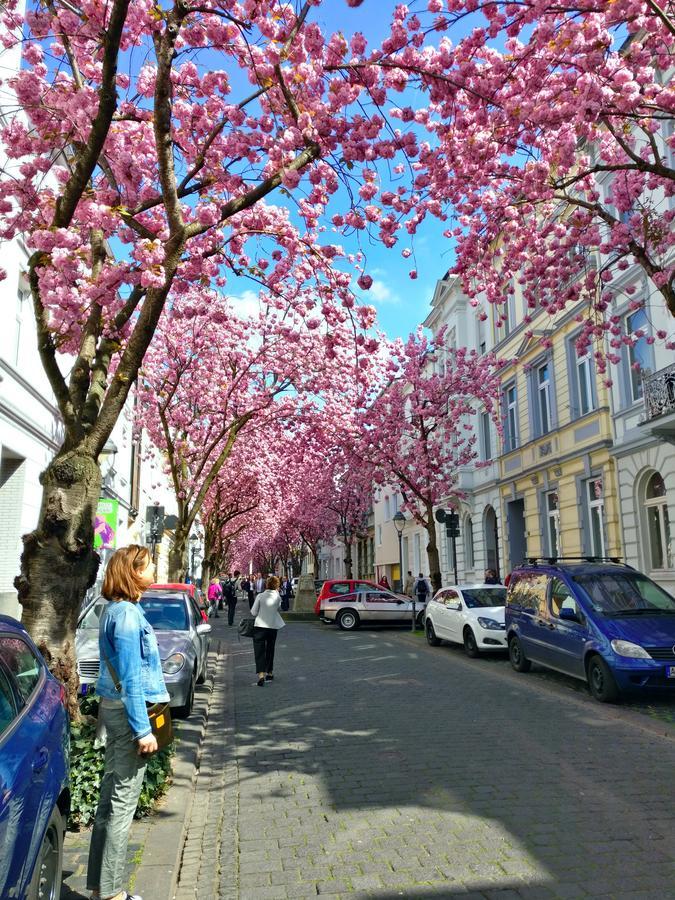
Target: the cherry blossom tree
pixel 419 431
pixel 135 174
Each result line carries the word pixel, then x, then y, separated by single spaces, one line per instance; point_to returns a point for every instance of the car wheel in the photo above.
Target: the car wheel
pixel 432 640
pixel 348 620
pixel 419 621
pixel 183 712
pixel 601 682
pixel 470 645
pixel 518 659
pixel 48 874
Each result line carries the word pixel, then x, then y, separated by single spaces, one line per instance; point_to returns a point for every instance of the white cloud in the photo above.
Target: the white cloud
pixel 245 304
pixel 380 294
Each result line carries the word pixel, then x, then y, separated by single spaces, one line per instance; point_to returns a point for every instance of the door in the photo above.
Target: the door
pixel 528 599
pixel 491 540
pixel 567 637
pixel 515 524
pixel 26 746
pixel 381 606
pixel 201 641
pixel 453 617
pixel 436 610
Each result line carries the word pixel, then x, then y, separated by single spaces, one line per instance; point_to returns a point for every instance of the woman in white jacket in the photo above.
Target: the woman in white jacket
pixel 267 622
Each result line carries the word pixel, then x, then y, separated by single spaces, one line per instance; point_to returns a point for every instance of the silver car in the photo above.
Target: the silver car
pixel 371 608
pixel 182 636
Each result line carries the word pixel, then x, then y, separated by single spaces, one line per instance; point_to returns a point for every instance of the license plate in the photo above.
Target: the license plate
pixel 670 671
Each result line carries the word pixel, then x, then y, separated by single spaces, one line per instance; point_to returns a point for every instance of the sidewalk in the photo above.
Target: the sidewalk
pixel 155 842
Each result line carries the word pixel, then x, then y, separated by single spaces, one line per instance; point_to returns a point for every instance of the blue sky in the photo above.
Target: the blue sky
pixel 402 303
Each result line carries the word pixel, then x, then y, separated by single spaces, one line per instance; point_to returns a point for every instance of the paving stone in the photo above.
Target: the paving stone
pixel 351 786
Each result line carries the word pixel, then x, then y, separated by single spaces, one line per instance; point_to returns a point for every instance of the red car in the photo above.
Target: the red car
pixel 337 587
pixel 191 589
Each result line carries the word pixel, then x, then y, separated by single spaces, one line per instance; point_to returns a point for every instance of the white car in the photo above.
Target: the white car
pixel 472 615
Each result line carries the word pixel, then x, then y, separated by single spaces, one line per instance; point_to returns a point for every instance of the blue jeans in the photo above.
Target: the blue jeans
pixel 120 788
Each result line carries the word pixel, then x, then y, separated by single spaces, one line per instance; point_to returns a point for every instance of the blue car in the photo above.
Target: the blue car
pixel 597 620
pixel 34 769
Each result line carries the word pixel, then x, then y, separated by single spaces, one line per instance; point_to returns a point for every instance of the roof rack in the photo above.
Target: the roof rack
pixel 554 560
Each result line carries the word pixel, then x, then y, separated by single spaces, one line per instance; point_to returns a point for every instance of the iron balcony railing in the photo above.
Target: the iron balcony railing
pixel 659 392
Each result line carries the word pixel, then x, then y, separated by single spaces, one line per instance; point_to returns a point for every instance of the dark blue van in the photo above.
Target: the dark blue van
pixel 600 621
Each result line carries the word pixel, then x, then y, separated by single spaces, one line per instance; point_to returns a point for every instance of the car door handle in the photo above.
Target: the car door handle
pixel 40 760
pixel 545 624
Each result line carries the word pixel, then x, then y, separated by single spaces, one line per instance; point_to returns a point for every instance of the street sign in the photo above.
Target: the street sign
pixel 439 515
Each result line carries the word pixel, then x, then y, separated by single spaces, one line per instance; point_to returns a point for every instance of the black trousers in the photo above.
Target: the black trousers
pixel 251 599
pixel 264 640
pixel 231 606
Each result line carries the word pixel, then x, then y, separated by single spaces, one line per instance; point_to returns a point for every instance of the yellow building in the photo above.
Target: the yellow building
pixel 557 482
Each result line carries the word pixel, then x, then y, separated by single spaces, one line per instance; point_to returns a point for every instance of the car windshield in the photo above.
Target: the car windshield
pixel 626 594
pixel 165 614
pixel 92 617
pixel 477 597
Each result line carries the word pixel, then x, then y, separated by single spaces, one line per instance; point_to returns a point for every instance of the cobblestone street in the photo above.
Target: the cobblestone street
pixel 376 767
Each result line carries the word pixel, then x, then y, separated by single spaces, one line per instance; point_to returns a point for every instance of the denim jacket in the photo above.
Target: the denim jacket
pixel 127 640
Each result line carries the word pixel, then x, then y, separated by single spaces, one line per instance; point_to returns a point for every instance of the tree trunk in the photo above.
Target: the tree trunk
pixel 59 563
pixel 178 555
pixel 348 555
pixel 432 554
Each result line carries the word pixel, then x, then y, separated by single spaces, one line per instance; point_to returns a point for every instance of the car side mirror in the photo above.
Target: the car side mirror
pixel 204 628
pixel 568 615
pixel 455 604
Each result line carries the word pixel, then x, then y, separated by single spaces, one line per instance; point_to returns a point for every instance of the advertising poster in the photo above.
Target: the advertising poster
pixel 105 524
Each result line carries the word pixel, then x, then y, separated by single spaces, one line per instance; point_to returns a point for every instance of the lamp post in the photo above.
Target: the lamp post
pixel 399 525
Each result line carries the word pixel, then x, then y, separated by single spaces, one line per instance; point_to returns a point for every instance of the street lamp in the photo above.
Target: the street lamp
pixel 399 525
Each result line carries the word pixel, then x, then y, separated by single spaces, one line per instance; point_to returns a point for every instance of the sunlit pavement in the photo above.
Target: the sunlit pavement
pixel 375 766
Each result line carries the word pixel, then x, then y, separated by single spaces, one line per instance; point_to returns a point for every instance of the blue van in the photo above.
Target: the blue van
pixel 597 620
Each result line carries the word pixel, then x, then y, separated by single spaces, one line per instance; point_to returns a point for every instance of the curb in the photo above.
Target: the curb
pixel 157 875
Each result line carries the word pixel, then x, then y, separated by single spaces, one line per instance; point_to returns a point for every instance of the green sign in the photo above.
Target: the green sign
pixel 105 524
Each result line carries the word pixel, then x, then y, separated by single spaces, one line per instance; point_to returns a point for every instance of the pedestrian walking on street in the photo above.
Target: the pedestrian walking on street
pixel 384 582
pixel 491 577
pixel 129 658
pixel 247 589
pixel 286 592
pixel 267 624
pixel 214 594
pixel 230 596
pixel 409 584
pixel 421 589
pixel 259 586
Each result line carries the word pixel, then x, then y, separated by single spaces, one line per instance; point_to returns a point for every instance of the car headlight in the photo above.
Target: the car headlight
pixel 173 664
pixel 490 624
pixel 626 648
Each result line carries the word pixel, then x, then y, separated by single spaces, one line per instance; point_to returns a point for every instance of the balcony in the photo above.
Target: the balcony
pixel 659 399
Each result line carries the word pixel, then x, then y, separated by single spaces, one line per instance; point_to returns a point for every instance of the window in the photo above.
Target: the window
pixel 417 553
pixel 583 383
pixel 511 417
pixel 529 592
pixel 482 342
pixel 562 598
pixel 8 710
pixel 387 509
pixel 379 535
pixel 485 437
pixel 639 355
pixel 508 313
pixel 468 543
pixel 543 395
pixel 21 663
pixel 658 524
pixel 596 515
pixel 553 523
pixel 23 296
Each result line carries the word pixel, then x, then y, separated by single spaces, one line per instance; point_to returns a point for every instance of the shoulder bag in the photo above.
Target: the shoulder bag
pixel 158 713
pixel 246 626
